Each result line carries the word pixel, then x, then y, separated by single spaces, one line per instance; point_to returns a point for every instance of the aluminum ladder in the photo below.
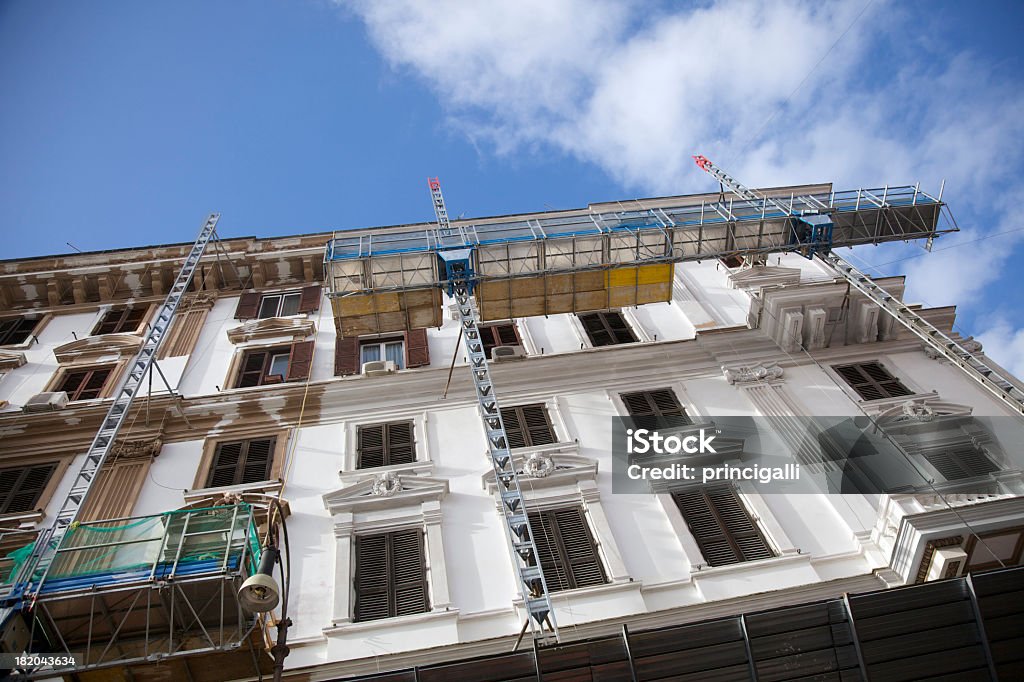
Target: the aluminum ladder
pixel 990 378
pixel 525 558
pixel 46 547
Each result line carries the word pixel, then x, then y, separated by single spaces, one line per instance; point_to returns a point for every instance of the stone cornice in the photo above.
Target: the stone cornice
pixel 94 347
pixel 298 328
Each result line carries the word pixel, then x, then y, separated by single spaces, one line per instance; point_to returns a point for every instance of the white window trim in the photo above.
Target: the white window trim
pixel 526 336
pixel 916 391
pixel 350 446
pixel 358 510
pixel 629 315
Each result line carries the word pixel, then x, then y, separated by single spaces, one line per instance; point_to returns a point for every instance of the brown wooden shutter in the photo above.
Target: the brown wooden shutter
pixel 408 572
pixel 346 357
pixel 300 361
pixel 371 577
pixel 225 463
pixel 527 426
pixel 964 461
pixel 652 409
pixel 248 305
pixel 310 300
pixel 370 449
pixel 116 490
pixel 724 531
pixel 252 369
pixel 21 487
pixel 567 549
pixel 542 528
pixel 417 352
pixel 259 456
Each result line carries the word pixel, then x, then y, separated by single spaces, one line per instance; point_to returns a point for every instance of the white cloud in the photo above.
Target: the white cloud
pixel 1001 340
pixel 636 92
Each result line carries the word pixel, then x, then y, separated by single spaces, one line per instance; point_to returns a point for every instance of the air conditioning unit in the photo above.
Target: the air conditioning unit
pixel 503 353
pixel 947 562
pixel 378 368
pixel 46 402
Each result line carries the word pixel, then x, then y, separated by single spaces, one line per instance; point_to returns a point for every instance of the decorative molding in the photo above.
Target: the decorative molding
pixel 298 328
pixel 387 484
pixel 10 359
pixel 752 374
pixel 136 449
pixel 557 469
pixel 762 276
pixel 94 348
pixel 402 491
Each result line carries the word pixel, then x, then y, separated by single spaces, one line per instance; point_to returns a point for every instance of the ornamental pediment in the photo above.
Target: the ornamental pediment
pixel 95 347
pixel 298 328
pixel 545 470
pixel 383 490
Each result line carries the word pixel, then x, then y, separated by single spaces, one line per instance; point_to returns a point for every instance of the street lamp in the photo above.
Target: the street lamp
pixel 260 593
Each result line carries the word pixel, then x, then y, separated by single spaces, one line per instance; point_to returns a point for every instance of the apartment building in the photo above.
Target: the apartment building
pixel 398 553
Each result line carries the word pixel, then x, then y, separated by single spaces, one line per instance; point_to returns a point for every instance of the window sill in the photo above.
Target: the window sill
pixel 265 487
pixel 347 626
pixel 27 519
pixel 740 567
pixel 605 590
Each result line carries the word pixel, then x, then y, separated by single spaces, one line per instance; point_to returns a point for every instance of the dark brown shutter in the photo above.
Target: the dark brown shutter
pixel 21 487
pixel 300 361
pixel 259 456
pixel 371 577
pixel 527 426
pixel 346 357
pixel 567 550
pixel 390 578
pixel 871 381
pixel 225 463
pixel 417 352
pixel 724 531
pixel 385 444
pixel 370 449
pixel 965 461
pixel 248 305
pixel 648 407
pixel 310 300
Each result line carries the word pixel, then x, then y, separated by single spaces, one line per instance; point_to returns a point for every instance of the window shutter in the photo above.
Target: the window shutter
pixel 346 357
pixel 93 384
pixel 259 456
pixel 542 528
pixel 646 407
pixel 619 328
pixel 724 531
pixel 225 463
pixel 580 549
pixel 248 304
pixel 371 578
pixel 371 446
pixel 417 352
pixel 310 300
pixel 21 487
pixel 871 381
pixel 409 572
pixel 401 448
pixel 300 361
pixel 961 462
pixel 507 335
pixel 527 426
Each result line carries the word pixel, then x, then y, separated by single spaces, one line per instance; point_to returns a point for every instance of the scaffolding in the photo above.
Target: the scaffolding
pixel 144 589
pixel 575 262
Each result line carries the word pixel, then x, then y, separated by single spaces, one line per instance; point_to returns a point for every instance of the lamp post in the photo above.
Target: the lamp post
pixel 260 593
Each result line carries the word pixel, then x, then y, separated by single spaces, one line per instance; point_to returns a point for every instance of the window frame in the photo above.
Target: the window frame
pixel 102 392
pixel 757 528
pixel 382 344
pixel 295 294
pixel 606 328
pixel 870 382
pixel 386 454
pixel 18 321
pixel 490 335
pixel 210 448
pixel 392 585
pixel 556 543
pixel 523 430
pixel 23 472
pixel 125 317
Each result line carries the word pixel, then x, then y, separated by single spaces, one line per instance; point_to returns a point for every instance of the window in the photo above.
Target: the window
pixel 499 335
pixel 527 426
pixel 279 305
pixel 252 304
pixel 653 408
pixel 607 329
pixel 16 330
pixel 123 320
pixel 383 349
pixel 721 525
pixel 568 554
pixel 84 384
pixel 871 380
pixel 732 262
pixel 385 444
pixel 391 575
pixel 21 487
pixel 241 461
pixel 964 461
pixel 276 365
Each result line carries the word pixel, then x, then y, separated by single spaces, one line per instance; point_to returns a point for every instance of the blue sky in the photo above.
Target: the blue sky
pixel 124 123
